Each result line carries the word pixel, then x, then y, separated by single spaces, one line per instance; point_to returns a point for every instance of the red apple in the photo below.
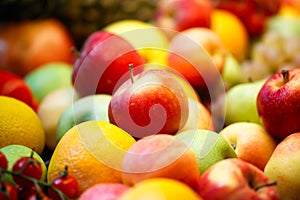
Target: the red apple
pixel 236 179
pixel 160 156
pixel 104 191
pixel 103 60
pixel 14 86
pixel 152 102
pixel 181 14
pixel 199 55
pixel 278 103
pixel 30 44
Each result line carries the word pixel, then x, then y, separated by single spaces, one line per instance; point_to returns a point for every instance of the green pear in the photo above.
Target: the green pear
pixel 231 73
pixel 208 146
pixel 93 107
pixel 240 102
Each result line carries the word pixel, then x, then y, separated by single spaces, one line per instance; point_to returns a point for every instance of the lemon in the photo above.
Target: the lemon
pixel 93 152
pixel 14 152
pixel 19 124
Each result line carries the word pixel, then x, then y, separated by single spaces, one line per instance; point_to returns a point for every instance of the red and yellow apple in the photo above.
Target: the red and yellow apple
pixel 160 156
pixel 149 103
pixel 236 179
pixel 284 167
pixel 104 191
pixel 181 14
pixel 278 103
pixel 251 142
pixel 199 55
pixel 103 61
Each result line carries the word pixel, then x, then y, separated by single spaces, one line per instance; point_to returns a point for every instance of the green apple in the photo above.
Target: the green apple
pixel 208 146
pixel 148 39
pixel 49 77
pixel 240 102
pixel 232 71
pixel 284 167
pixel 93 107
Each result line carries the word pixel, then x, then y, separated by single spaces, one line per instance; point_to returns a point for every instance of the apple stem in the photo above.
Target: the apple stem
pixel 130 66
pixel 233 146
pixel 250 80
pixel 75 52
pixel 272 183
pixel 285 74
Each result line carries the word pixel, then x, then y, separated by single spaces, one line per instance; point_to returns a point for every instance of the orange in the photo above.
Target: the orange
pixel 232 32
pixel 19 124
pixel 93 152
pixel 160 189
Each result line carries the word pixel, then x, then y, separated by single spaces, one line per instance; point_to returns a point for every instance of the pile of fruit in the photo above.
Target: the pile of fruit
pixel 193 100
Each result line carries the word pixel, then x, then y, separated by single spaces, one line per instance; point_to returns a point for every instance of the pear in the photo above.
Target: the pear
pixel 240 102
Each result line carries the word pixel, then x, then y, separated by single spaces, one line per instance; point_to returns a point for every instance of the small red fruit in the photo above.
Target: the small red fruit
pixel 8 191
pixel 38 194
pixel 3 161
pixel 28 166
pixel 66 183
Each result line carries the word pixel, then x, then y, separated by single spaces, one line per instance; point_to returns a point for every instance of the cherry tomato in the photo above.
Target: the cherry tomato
pixel 37 194
pixel 14 86
pixel 30 167
pixel 67 184
pixel 25 192
pixel 3 161
pixel 41 197
pixel 8 191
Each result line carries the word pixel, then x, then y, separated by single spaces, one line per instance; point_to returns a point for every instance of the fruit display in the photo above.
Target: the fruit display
pixel 150 99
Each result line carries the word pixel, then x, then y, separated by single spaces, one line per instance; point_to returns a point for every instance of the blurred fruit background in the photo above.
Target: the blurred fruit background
pixel 232 65
pixel 80 16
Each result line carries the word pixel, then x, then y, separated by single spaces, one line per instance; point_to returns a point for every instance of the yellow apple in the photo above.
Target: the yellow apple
pixel 284 167
pixel 50 110
pixel 148 39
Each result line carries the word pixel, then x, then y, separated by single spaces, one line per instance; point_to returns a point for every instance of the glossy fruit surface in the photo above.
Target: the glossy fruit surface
pixel 19 124
pixel 28 166
pixel 8 191
pixel 90 165
pixel 3 161
pixel 14 86
pixel 67 184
